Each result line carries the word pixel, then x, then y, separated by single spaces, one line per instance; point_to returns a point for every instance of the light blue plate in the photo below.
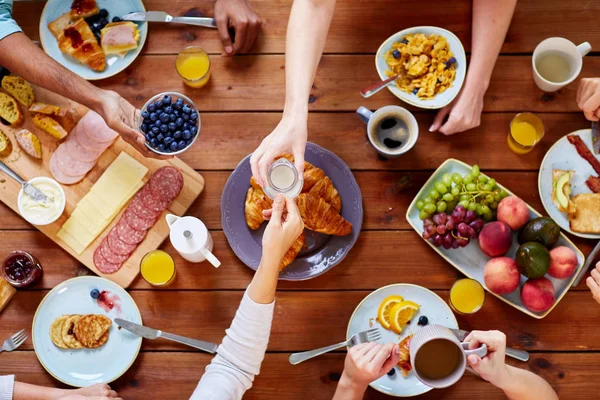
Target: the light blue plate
pixel 114 63
pixel 85 367
pixel 431 305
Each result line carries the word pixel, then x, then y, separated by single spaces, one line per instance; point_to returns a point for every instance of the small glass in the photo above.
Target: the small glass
pixel 283 177
pixel 158 268
pixel 21 269
pixel 467 296
pixel 193 65
pixel 525 132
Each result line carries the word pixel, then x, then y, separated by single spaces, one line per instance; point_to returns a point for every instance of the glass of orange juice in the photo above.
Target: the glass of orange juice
pixel 193 65
pixel 466 296
pixel 526 130
pixel 158 268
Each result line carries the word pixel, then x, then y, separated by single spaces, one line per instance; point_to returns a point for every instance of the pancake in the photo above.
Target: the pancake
pixel 68 332
pixel 102 341
pixel 56 331
pixel 90 329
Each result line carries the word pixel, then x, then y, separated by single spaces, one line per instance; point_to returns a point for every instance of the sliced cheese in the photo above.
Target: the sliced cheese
pixel 78 231
pixel 70 241
pixel 119 179
pixel 85 207
pixel 94 227
pixel 105 210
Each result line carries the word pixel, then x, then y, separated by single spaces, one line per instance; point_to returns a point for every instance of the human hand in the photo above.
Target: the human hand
pixel 122 117
pixel 463 113
pixel 284 227
pixel 241 16
pixel 593 282
pixel 588 98
pixel 367 362
pixel 492 367
pixel 289 136
pixel 99 391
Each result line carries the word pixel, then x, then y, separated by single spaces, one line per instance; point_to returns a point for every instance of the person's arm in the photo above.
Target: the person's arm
pixel 517 384
pixel 593 282
pixel 491 19
pixel 588 98
pixel 231 373
pixel 239 15
pixel 11 390
pixel 306 34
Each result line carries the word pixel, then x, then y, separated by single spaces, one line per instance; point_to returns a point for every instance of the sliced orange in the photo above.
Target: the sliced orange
pixel 401 313
pixel 383 313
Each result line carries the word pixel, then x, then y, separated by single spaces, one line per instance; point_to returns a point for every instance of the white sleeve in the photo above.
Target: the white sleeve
pixel 7 384
pixel 231 373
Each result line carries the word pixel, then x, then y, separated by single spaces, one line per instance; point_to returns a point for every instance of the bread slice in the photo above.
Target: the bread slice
pixel 583 213
pixel 48 109
pixel 50 126
pixel 10 110
pixel 556 174
pixel 29 143
pixel 5 145
pixel 19 88
pixel 58 26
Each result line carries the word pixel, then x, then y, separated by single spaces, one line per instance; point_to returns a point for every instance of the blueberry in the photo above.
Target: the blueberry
pixel 177 135
pixel 164 128
pixel 168 141
pixel 95 293
pixel 194 116
pixel 154 142
pixel 95 26
pixel 179 122
pixel 174 146
pixel 177 113
pixel 144 128
pixel 161 148
pixel 103 22
pixel 179 101
pixel 153 116
pixel 392 372
pixel 187 135
pixel 166 100
pixel 159 112
pixel 157 123
pixel 168 134
pixel 160 137
pixel 145 114
pixel 187 126
pixel 148 137
pixel 168 109
pixel 450 61
pixel 182 144
pixel 396 54
pixel 186 109
pixel 178 105
pixel 415 91
pixel 103 13
pixel 405 41
pixel 186 117
pixel 172 117
pixel 155 130
pixel 116 19
pixel 164 117
pixel 172 126
pixel 158 104
pixel 423 320
pixel 151 107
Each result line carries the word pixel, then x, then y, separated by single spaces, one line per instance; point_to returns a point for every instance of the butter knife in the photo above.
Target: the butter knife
pixel 520 355
pixel 149 333
pixel 596 137
pixel 161 16
pixel 29 189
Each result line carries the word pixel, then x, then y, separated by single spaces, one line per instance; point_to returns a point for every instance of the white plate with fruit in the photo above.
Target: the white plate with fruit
pixel 399 311
pixel 545 254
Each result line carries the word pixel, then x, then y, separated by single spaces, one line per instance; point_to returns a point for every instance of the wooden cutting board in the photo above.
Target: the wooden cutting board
pixel 28 168
pixel 6 293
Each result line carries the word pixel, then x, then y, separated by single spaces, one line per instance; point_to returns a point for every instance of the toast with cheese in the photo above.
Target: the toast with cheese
pixel 50 126
pixel 19 88
pixel 10 110
pixel 29 143
pixel 557 174
pixel 119 37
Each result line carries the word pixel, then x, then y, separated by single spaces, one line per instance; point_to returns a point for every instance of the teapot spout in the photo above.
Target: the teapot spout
pixel 171 219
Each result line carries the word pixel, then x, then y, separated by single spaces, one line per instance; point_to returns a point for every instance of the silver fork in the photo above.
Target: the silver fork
pixel 14 341
pixel 371 335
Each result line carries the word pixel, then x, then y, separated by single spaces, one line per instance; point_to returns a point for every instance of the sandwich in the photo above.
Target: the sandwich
pixel 119 37
pixel 561 189
pixel 584 213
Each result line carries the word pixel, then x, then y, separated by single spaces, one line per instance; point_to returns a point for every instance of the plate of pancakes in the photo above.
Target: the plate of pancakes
pixel 74 336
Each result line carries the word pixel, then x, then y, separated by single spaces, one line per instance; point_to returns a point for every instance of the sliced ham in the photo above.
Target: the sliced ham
pixel 61 176
pixel 79 152
pixel 119 35
pixel 96 130
pixel 69 165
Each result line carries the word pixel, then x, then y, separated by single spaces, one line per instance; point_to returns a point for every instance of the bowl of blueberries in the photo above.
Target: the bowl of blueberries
pixel 170 123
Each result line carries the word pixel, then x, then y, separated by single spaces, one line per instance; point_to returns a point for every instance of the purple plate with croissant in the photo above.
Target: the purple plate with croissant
pixel 330 205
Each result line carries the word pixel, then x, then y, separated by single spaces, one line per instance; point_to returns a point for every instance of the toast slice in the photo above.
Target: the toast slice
pixel 83 9
pixel 19 88
pixel 119 38
pixel 50 126
pixel 48 109
pixel 583 213
pixel 29 143
pixel 10 110
pixel 58 26
pixel 566 188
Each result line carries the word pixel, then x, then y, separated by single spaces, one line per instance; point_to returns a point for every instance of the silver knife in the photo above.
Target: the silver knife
pixel 161 16
pixel 520 355
pixel 596 137
pixel 149 333
pixel 29 189
pixel 588 262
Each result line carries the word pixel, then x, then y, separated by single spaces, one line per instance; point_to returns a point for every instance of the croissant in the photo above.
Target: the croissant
pixel 293 251
pixel 325 190
pixel 404 361
pixel 256 202
pixel 319 216
pixel 78 41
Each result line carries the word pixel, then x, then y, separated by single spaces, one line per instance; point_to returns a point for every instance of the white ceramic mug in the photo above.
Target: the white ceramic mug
pixel 371 118
pixel 438 332
pixel 575 56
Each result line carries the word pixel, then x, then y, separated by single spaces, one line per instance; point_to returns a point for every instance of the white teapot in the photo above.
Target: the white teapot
pixel 192 240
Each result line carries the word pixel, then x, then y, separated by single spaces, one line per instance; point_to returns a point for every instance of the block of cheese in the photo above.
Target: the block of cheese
pixel 70 241
pixel 120 177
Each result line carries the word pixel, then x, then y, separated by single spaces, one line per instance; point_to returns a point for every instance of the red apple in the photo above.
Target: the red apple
pixel 495 239
pixel 563 262
pixel 513 212
pixel 501 275
pixel 538 294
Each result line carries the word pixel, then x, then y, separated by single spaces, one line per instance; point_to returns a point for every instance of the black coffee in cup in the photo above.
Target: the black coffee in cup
pixel 390 131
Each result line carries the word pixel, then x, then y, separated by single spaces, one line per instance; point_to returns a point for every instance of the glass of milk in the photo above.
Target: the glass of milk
pixel 283 177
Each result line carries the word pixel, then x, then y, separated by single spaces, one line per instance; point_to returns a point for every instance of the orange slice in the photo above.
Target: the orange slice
pixel 383 313
pixel 401 313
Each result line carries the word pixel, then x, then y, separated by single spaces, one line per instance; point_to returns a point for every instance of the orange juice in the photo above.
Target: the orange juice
pixel 158 268
pixel 193 65
pixel 526 130
pixel 466 296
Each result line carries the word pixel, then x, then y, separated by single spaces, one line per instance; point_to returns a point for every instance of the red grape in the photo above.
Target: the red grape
pixel 463 229
pixel 459 213
pixel 427 222
pixel 470 216
pixel 471 232
pixel 450 225
pixel 447 241
pixel 462 242
pixel 477 225
pixel 454 244
pixel 441 229
pixel 437 240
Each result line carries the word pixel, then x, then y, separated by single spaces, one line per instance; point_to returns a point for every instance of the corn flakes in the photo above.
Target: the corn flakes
pixel 425 63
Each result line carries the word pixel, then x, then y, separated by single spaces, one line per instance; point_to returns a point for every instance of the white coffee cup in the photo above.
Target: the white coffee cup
pixel 373 118
pixel 574 54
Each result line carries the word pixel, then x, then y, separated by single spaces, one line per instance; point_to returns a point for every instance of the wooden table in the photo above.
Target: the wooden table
pixel 242 104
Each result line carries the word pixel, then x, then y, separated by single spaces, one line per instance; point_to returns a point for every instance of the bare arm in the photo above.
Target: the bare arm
pixel 306 34
pixel 520 384
pixel 25 391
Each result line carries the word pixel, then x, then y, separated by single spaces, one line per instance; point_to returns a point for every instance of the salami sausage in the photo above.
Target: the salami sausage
pixel 102 265
pixel 110 255
pixel 136 222
pixel 139 208
pixel 117 245
pixel 166 183
pixel 127 234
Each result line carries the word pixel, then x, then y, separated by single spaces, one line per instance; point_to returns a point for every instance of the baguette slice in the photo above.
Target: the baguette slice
pixel 50 126
pixel 10 110
pixel 29 143
pixel 5 145
pixel 48 109
pixel 19 88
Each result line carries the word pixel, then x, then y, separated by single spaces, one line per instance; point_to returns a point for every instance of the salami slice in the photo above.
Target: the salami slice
pixel 118 246
pixel 166 183
pixel 110 255
pixel 127 234
pixel 140 209
pixel 136 222
pixel 154 203
pixel 60 176
pixel 102 265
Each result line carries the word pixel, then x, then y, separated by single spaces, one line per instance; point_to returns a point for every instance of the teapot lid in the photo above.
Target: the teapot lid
pixel 188 234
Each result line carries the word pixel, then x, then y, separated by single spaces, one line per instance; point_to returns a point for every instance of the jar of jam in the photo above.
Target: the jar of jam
pixel 21 269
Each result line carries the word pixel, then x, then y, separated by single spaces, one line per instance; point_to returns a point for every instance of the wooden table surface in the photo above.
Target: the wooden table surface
pixel 243 103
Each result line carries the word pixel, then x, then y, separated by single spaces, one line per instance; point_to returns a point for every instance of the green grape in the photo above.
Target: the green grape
pixel 494 205
pixel 492 182
pixel 427 200
pixel 464 203
pixel 485 209
pixel 423 214
pixel 457 178
pixel 484 202
pixel 440 187
pixel 429 208
pixel 475 170
pixel 488 216
pixel 482 179
pixel 441 207
pixel 497 196
pixel 451 206
pixel 471 187
pixel 468 179
pixel 464 197
pixel 455 191
pixel 434 194
pixel 420 204
pixel 487 187
pixel 503 193
pixel 472 206
pixel 448 197
pixel 447 180
pixel 479 209
pixel 489 198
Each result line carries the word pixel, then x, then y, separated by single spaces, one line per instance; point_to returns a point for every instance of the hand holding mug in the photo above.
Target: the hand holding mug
pixel 285 225
pixel 492 367
pixel 588 98
pixel 367 362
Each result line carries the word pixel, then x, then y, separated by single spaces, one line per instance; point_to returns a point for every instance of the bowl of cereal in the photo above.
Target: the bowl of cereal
pixel 431 62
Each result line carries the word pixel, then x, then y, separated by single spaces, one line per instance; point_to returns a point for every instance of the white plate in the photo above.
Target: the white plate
pixel 114 63
pixel 563 155
pixel 439 100
pixel 431 305
pixel 471 260
pixel 84 367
